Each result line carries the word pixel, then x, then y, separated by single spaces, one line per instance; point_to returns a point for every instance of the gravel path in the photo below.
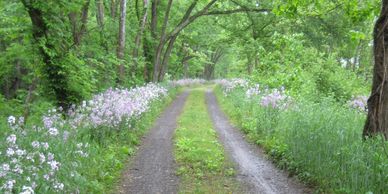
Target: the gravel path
pixel 153 167
pixel 255 172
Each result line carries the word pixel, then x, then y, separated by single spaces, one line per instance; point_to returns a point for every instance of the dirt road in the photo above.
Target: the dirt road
pixel 255 172
pixel 153 167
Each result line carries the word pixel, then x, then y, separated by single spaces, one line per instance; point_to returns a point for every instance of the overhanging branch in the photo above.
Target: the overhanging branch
pixel 239 10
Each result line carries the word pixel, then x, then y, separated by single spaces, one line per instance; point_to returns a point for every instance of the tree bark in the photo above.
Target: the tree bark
pixel 154 18
pixel 167 53
pixel 149 45
pixel 121 40
pixel 78 31
pixel 162 40
pixel 29 98
pixel 100 16
pixel 209 68
pixel 377 119
pixel 113 8
pixel 138 38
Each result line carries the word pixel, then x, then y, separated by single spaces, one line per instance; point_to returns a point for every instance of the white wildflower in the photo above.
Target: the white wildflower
pixel 53 131
pixel 35 144
pixel 11 120
pixel 50 156
pixel 45 145
pixel 10 152
pixel 20 152
pixel 11 139
pixel 27 190
pixel 54 165
pixel 58 186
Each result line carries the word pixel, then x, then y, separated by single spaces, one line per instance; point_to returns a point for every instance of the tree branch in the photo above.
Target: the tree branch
pixel 239 10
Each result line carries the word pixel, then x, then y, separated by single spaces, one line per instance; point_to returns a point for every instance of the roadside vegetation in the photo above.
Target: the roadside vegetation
pixel 82 150
pixel 320 142
pixel 202 163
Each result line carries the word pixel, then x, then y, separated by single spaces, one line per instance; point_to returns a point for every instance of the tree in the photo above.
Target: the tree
pixel 142 23
pixel 121 40
pixel 161 59
pixel 377 119
pixel 40 32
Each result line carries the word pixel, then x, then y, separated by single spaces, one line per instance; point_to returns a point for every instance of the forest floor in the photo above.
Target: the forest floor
pixel 154 168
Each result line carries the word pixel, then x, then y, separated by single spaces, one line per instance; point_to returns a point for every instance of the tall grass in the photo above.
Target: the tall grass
pixel 320 142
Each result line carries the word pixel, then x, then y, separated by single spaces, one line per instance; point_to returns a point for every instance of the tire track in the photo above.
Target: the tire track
pixel 153 168
pixel 255 172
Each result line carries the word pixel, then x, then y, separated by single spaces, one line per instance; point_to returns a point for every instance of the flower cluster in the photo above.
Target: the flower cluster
pixel 253 91
pixel 116 106
pixel 359 103
pixel 187 82
pixel 267 98
pixel 229 85
pixel 46 158
pixel 276 99
pixel 29 161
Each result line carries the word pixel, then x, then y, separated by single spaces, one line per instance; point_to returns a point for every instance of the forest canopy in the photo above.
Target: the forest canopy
pixel 67 50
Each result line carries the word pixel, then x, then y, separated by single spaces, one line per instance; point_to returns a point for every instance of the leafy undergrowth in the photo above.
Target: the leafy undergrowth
pixel 319 142
pixel 201 159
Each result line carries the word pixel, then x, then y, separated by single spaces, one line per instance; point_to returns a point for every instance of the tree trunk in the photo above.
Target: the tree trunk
pixel 166 57
pixel 149 45
pixel 113 8
pixel 57 80
pixel 147 48
pixel 154 19
pixel 138 38
pixel 121 40
pixel 162 41
pixel 84 21
pixel 185 69
pixel 377 119
pixel 100 16
pixel 29 98
pixel 256 64
pixel 79 31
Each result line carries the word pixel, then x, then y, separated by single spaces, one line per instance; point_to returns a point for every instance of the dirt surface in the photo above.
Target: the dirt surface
pixel 153 167
pixel 255 172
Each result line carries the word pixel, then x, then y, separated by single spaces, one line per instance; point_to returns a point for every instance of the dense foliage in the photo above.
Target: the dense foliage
pixel 307 46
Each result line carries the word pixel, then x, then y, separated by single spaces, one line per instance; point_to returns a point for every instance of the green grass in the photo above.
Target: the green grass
pixel 202 164
pixel 319 142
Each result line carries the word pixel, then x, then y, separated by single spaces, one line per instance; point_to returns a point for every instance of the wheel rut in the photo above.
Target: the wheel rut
pixel 152 170
pixel 255 172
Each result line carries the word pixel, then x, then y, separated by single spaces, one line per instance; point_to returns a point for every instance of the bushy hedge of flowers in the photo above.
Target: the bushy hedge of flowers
pixel 45 158
pixel 275 98
pixel 187 82
pixel 229 85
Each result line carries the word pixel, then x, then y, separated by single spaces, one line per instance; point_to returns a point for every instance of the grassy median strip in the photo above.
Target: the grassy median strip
pixel 201 159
